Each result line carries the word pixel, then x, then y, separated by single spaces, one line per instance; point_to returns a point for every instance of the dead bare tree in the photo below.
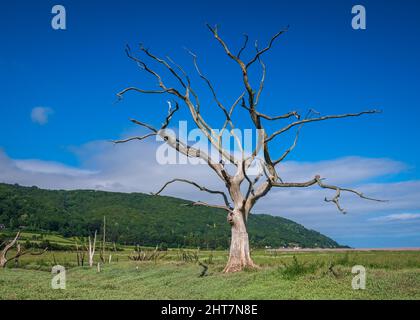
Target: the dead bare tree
pixel 102 253
pixel 146 255
pixel 80 255
pixel 237 202
pixel 19 252
pixel 91 249
pixel 7 247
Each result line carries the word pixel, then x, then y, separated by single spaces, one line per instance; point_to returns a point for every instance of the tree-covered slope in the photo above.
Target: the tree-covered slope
pixel 141 218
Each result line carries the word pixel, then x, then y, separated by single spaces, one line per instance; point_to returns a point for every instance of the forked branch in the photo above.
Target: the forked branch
pixel 201 188
pixel 154 132
pixel 317 180
pixel 296 123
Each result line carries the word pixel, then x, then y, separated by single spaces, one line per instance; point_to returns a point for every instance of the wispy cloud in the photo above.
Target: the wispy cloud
pixel 40 115
pixel 49 167
pixel 397 217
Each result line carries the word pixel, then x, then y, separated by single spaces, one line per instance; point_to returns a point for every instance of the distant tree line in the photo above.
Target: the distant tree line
pixel 141 219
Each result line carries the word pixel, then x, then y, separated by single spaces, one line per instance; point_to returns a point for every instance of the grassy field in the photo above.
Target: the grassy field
pixel 300 275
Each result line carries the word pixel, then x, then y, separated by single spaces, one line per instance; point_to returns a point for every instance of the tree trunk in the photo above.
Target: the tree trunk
pixel 3 262
pixel 91 250
pixel 239 255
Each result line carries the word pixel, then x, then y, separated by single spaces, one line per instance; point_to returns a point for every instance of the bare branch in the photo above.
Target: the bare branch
pixel 227 114
pixel 296 184
pixel 239 62
pixel 224 45
pixel 284 116
pixel 252 183
pixel 228 119
pixel 251 102
pixel 290 149
pixel 143 66
pixel 189 88
pixel 121 93
pixel 143 124
pixel 155 132
pixel 209 84
pixel 194 109
pixel 19 253
pixel 260 192
pixel 259 53
pixel 201 203
pixel 11 243
pixel 319 119
pixel 180 69
pixel 337 196
pixel 163 62
pixel 201 188
pixel 286 153
pixel 260 89
pixel 171 113
pixel 134 138
pixel 318 180
pixel 335 200
pixel 39 253
pixel 243 46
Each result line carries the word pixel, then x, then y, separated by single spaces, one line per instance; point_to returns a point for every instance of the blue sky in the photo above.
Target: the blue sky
pixel 321 63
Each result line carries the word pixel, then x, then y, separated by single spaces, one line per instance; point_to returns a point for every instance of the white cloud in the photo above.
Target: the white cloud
pixel 49 167
pixel 397 217
pixel 40 115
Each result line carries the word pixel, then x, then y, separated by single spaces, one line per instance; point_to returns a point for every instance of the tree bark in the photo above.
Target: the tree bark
pixel 239 254
pixel 3 262
pixel 91 250
pixel 7 247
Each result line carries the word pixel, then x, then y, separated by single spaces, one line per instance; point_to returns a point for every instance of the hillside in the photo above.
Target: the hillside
pixel 141 218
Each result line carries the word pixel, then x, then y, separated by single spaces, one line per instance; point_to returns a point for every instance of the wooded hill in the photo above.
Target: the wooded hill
pixel 137 218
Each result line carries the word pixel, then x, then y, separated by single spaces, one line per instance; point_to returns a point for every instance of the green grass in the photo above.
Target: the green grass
pixel 36 237
pixel 390 275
